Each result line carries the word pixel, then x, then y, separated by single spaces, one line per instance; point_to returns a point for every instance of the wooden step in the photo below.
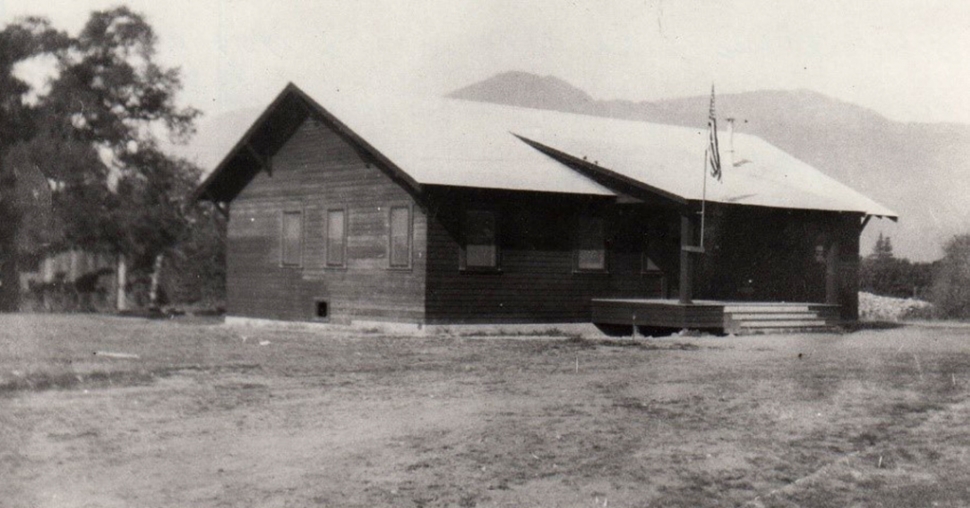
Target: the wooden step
pixel 806 323
pixel 806 329
pixel 780 318
pixel 751 316
pixel 764 308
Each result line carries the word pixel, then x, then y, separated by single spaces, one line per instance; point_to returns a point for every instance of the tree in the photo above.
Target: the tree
pixel 882 273
pixel 951 285
pixel 883 250
pixel 197 264
pixel 19 42
pixel 150 217
pixel 96 139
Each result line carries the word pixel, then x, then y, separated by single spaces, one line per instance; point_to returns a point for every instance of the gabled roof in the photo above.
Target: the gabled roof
pixel 420 141
pixel 451 142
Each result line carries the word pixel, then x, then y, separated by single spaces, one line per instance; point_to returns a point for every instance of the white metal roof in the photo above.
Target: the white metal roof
pixel 470 144
pixel 672 159
pixel 458 143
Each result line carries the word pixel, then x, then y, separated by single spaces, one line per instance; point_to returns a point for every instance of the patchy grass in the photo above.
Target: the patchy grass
pixel 196 414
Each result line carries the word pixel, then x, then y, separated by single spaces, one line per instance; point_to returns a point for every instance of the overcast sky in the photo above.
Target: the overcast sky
pixel 906 59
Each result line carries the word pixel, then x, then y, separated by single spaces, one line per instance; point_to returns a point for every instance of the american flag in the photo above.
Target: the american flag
pixel 713 155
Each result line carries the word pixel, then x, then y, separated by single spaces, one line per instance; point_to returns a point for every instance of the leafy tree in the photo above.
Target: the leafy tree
pixel 97 137
pixel 197 264
pixel 882 273
pixel 951 285
pixel 150 218
pixel 19 42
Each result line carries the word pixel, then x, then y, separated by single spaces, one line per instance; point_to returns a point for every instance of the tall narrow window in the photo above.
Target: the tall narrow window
pixel 399 242
pixel 591 248
pixel 292 238
pixel 336 237
pixel 481 232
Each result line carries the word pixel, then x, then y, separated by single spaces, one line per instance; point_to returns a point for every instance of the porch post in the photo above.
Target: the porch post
pixel 832 273
pixel 686 260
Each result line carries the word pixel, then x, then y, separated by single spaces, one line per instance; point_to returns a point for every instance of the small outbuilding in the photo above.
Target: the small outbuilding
pixel 347 208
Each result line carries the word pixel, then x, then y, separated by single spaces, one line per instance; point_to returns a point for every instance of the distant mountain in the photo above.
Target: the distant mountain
pixel 920 170
pixel 530 91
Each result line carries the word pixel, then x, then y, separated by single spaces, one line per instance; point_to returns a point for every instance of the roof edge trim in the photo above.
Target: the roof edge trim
pixel 570 160
pixel 203 187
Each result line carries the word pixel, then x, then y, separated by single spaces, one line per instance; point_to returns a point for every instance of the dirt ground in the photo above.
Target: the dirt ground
pixel 209 415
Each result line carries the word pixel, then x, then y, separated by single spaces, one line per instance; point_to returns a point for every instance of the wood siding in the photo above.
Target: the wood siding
pixel 537 280
pixel 753 253
pixel 770 255
pixel 314 171
pixel 658 314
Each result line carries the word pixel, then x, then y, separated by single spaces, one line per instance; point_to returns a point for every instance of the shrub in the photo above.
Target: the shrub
pixel 881 273
pixel 951 285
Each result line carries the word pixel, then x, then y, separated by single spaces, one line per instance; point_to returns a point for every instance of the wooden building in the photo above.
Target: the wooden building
pixel 355 209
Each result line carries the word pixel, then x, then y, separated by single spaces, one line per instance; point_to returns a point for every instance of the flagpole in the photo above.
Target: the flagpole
pixel 704 199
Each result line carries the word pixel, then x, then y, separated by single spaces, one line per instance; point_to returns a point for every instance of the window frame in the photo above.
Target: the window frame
pixel 343 239
pixel 463 248
pixel 390 237
pixel 578 241
pixel 302 238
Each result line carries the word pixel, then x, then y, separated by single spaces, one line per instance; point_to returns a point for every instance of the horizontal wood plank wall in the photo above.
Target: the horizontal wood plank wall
pixel 537 281
pixel 764 254
pixel 316 170
pixel 658 315
pixel 770 255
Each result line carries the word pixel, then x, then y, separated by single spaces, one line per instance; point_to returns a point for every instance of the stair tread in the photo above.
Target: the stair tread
pixel 818 329
pixel 767 310
pixel 782 324
pixel 772 315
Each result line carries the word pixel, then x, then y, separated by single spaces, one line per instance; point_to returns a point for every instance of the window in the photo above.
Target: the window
pixel 336 237
pixel 481 249
pixel 591 244
pixel 292 238
pixel 399 241
pixel 647 263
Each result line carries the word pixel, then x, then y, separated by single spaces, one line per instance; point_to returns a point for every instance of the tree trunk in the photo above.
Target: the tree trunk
pixel 156 276
pixel 9 273
pixel 9 223
pixel 9 276
pixel 122 302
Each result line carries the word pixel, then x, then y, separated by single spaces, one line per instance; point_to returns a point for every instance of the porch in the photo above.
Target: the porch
pixel 716 316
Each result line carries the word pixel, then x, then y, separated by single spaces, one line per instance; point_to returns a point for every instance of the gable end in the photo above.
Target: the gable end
pixel 252 153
